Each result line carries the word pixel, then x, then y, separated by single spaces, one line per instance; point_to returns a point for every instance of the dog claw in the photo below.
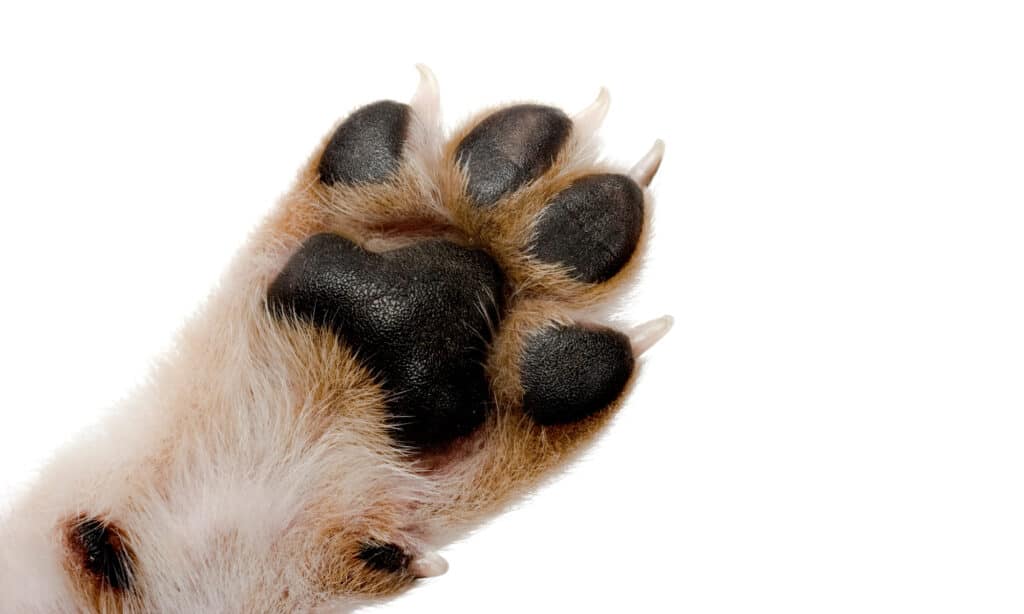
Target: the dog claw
pixel 643 336
pixel 427 99
pixel 589 119
pixel 428 565
pixel 647 167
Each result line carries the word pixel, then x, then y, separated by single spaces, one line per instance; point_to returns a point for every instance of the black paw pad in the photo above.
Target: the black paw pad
pixel 419 317
pixel 367 147
pixel 571 372
pixel 592 226
pixel 383 557
pixel 511 148
pixel 103 552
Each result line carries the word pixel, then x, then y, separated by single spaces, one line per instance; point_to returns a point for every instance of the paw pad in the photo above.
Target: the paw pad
pixel 511 148
pixel 571 372
pixel 603 212
pixel 422 318
pixel 367 147
pixel 419 317
pixel 384 557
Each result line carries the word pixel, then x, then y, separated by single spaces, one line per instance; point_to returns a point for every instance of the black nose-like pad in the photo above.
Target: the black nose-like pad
pixel 592 227
pixel 419 317
pixel 571 372
pixel 366 147
pixel 511 148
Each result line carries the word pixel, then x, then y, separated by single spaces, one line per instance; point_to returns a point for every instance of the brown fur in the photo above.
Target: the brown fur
pixel 247 398
pixel 510 454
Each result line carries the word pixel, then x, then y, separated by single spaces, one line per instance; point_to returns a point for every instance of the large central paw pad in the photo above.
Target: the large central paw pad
pixel 420 317
pixel 452 333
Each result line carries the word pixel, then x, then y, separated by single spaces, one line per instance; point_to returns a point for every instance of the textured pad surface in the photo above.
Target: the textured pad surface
pixel 367 147
pixel 419 317
pixel 603 212
pixel 571 372
pixel 511 148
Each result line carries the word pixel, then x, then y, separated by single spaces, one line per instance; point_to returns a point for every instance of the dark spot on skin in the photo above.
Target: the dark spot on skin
pixel 571 372
pixel 384 557
pixel 367 147
pixel 510 148
pixel 592 226
pixel 419 318
pixel 103 552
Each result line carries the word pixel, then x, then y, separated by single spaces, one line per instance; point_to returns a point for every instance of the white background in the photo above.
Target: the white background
pixel 834 425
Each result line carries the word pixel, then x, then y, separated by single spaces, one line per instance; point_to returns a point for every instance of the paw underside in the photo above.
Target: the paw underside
pixel 422 317
pixel 467 275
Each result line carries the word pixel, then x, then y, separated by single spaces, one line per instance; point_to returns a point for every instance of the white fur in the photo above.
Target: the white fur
pixel 231 489
pixel 221 469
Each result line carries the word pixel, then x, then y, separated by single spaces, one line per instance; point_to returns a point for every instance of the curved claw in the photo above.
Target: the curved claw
pixel 428 565
pixel 427 99
pixel 425 133
pixel 647 167
pixel 589 119
pixel 643 336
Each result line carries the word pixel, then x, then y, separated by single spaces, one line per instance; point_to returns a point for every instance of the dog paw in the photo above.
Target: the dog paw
pixel 468 276
pixel 414 338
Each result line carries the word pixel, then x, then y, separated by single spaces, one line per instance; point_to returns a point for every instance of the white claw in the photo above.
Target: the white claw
pixel 425 133
pixel 647 167
pixel 428 565
pixel 589 120
pixel 427 99
pixel 644 336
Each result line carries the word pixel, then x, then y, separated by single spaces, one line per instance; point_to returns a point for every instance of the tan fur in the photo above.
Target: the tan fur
pixel 257 460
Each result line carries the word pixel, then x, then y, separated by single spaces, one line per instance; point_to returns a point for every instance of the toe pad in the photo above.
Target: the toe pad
pixel 367 147
pixel 510 148
pixel 592 227
pixel 571 372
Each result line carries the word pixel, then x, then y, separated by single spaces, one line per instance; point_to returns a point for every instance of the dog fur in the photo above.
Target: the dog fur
pixel 246 474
